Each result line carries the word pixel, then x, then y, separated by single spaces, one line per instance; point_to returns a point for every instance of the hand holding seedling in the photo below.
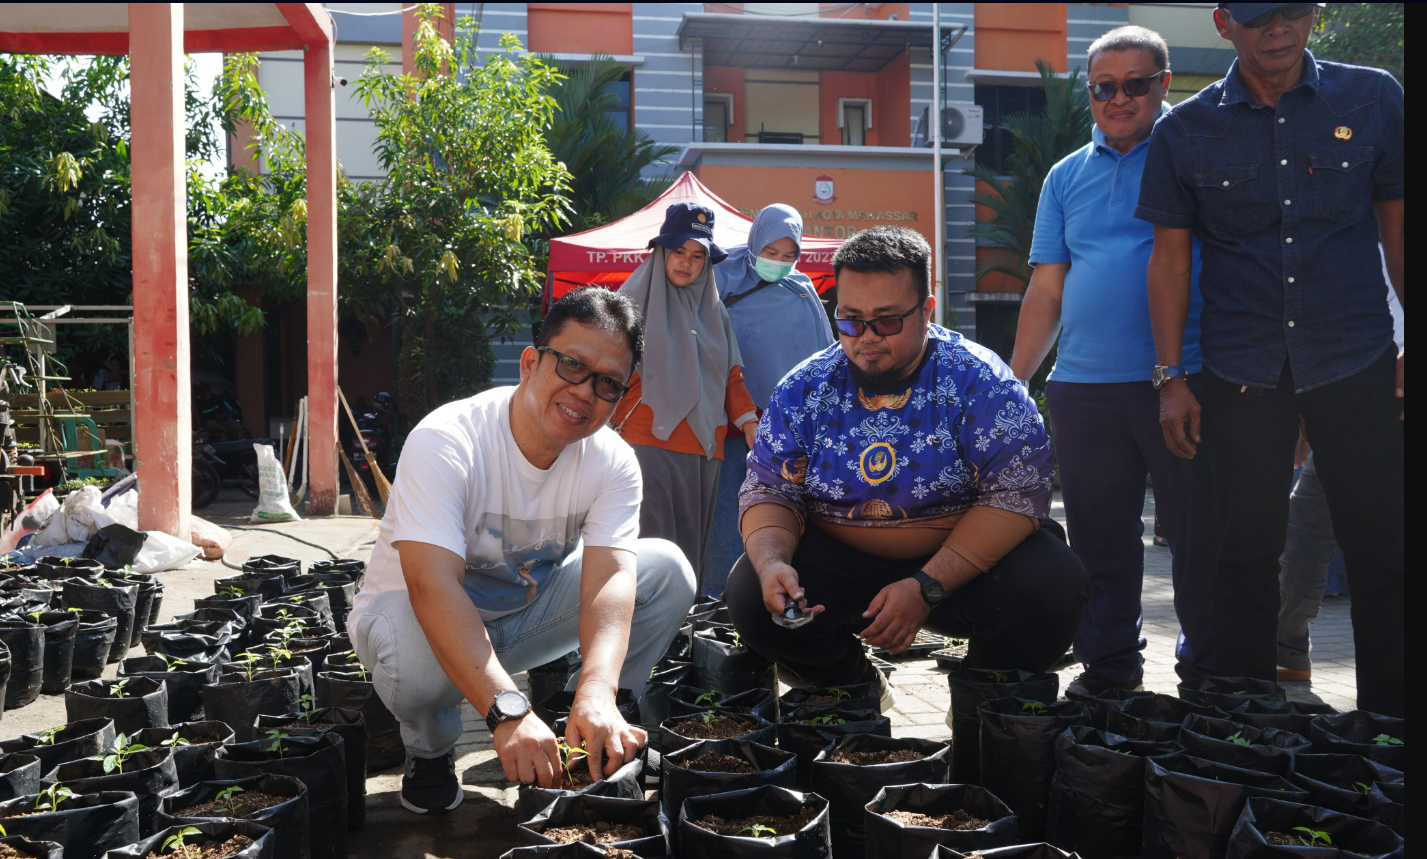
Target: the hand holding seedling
pixel 595 724
pixel 528 751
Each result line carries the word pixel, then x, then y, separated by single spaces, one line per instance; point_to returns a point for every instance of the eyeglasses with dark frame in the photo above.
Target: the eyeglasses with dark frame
pixel 882 326
pixel 1291 12
pixel 1134 87
pixel 574 371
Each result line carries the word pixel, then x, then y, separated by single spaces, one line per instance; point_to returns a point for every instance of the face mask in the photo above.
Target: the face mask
pixel 771 270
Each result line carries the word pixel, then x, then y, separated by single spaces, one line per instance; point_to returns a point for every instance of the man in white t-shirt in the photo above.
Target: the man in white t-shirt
pixel 512 536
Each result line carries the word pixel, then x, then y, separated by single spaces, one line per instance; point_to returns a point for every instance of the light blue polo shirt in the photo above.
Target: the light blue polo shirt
pixel 1087 218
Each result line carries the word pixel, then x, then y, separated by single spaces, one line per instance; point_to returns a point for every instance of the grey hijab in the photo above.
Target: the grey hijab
pixel 689 343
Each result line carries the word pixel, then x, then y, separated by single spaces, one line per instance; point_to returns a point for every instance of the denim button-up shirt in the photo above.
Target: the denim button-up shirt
pixel 1281 199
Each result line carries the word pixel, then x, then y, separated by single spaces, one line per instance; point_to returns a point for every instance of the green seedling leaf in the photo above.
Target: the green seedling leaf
pixel 170 663
pixel 568 758
pixel 175 842
pixel 707 716
pixel 117 690
pixel 50 798
pixel 1237 738
pixel 47 736
pixel 827 719
pixel 114 759
pixel 1034 708
pixel 1315 836
pixel 839 694
pixel 226 795
pixel 277 745
pixel 36 615
pixel 1362 788
pixel 1386 740
pixel 1000 676
pixel 708 698
pixel 758 830
pixel 175 741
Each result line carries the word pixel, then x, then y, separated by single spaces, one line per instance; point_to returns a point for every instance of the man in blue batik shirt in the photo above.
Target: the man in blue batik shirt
pixel 1290 172
pixel 901 479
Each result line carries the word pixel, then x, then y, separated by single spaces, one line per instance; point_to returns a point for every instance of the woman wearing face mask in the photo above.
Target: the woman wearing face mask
pixel 779 321
pixel 689 385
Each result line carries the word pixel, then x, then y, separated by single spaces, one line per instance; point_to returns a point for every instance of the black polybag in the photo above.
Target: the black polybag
pixel 1356 733
pixel 288 819
pixel 144 704
pixel 198 641
pixel 150 592
pixel 759 730
pixel 722 662
pixel 118 601
pixel 88 825
pixel 1341 783
pixel 1097 797
pixel 258 583
pixel 813 841
pixel 4 675
pixel 853 696
pixel 557 706
pixel 92 644
pixel 1385 805
pixel 1191 804
pixel 1102 703
pixel 60 629
pixel 239 702
pixel 352 726
pixel 314 598
pixel 26 642
pixel 1295 716
pixel 678 782
pixel 972 687
pixel 1350 836
pixel 626 782
pixel 38 849
pixel 1226 693
pixel 268 661
pixel 687 700
pixel 806 741
pixel 149 775
pixel 245 606
pixel 184 682
pixel 1157 718
pixel 849 787
pixel 315 761
pixel 667 675
pixel 19 774
pixel 279 565
pixel 575 809
pixel 1015 851
pixel 209 832
pixel 193 761
pixel 1268 749
pixel 115 546
pixel 75 740
pixel 350 691
pixel 1018 754
pixel 888 839
pixel 573 850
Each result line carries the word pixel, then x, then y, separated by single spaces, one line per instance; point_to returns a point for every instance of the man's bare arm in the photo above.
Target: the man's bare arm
pixel 1040 318
pixel 770 549
pixel 1170 267
pixel 607 585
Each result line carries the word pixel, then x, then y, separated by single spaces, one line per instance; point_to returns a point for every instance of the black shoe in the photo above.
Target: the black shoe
pixel 429 785
pixel 1092 685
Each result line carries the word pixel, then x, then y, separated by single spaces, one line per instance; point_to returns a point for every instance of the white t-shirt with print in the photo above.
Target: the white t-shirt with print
pixel 464 485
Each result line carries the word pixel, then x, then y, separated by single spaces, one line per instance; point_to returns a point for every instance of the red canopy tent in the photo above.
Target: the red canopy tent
pixel 606 255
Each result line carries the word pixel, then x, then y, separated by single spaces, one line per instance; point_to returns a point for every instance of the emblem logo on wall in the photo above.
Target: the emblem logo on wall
pixel 822 190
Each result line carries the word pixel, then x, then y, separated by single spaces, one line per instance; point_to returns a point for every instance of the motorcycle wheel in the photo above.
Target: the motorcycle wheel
pixel 206 484
pixel 248 480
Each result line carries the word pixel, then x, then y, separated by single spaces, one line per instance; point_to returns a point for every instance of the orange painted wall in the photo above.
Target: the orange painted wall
pixel 863 198
pixel 992 282
pixel 725 79
pixel 580 28
pixel 835 85
pixel 893 122
pixel 861 12
pixel 1012 36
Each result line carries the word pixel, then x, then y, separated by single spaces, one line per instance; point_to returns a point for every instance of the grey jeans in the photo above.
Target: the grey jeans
pixel 1303 568
pixel 391 643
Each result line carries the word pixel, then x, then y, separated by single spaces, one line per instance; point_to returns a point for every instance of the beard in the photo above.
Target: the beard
pixel 890 381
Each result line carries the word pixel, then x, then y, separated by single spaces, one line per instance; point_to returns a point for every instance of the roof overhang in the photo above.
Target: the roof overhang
pixel 103 28
pixel 813 44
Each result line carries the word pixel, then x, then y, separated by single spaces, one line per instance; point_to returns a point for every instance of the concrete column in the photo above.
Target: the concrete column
pixel 162 408
pixel 321 278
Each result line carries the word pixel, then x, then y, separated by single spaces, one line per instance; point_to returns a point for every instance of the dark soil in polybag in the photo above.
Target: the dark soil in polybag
pixel 315 600
pixel 982 821
pixel 1226 693
pixel 1385 805
pixel 853 696
pixel 67 742
pixel 149 775
pixel 1100 705
pixel 60 629
pixel 1341 783
pixel 37 849
pixel 1348 835
pixel 812 841
pixel 349 691
pixel 1235 744
pixel 352 726
pixel 253 840
pixel 679 731
pixel 1358 732
pixel 1097 797
pixel 183 679
pixel 318 763
pixel 632 824
pixel 143 703
pixel 19 774
pixel 117 601
pixel 683 773
pixel 287 818
pixel 88 825
pixel 1018 754
pixel 667 675
pixel 240 702
pixel 848 787
pixel 796 734
pixel 193 760
pixel 687 700
pixel 722 661
pixel 626 782
pixel 972 687
pixel 92 644
pixel 268 660
pixel 1191 804
pixel 1295 716
pixel 26 643
pixel 1156 718
pixel 557 706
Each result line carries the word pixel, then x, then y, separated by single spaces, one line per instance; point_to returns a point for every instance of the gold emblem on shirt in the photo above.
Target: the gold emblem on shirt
pixel 877 462
pixel 795 470
pixel 883 401
pixel 876 508
pixel 1343 132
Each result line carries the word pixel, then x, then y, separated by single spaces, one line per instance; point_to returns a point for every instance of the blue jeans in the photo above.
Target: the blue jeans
pixel 725 542
pixel 1303 574
pixel 391 643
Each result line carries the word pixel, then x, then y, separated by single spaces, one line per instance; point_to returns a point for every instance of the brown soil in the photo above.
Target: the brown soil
pixel 248 804
pixel 958 819
pixel 8 852
pixel 884 756
pixel 578 775
pixel 780 825
pixel 812 720
pixel 301 724
pixel 713 762
pixel 822 699
pixel 600 832
pixel 619 853
pixel 212 850
pixel 720 727
pixel 956 650
pixel 1289 839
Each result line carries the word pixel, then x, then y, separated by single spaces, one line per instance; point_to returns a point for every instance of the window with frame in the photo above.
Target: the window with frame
pixel 716 119
pixel 622 90
pixel 854 125
pixel 997 103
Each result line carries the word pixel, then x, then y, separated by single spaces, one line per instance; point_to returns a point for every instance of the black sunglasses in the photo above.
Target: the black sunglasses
pixel 882 326
pixel 1134 87
pixel 1291 12
pixel 575 372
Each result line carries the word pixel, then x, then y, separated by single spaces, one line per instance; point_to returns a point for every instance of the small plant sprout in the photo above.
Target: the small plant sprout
pixel 278 654
pixel 50 798
pixel 1386 740
pixel 569 757
pixel 226 795
pixel 839 694
pixel 36 614
pixel 171 662
pixel 1000 676
pixel 117 690
pixel 231 592
pixel 276 745
pixel 1238 739
pixel 175 842
pixel 758 830
pixel 737 640
pixel 114 759
pixel 827 719
pixel 250 662
pixel 1314 837
pixel 283 614
pixel 1362 788
pixel 175 741
pixel 47 736
pixel 308 705
pixel 707 716
pixel 362 670
pixel 1033 708
pixel 709 698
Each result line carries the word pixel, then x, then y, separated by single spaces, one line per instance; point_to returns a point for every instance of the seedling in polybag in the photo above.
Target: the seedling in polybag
pixel 278 654
pixel 1386 740
pixel 175 741
pixel 226 795
pixel 230 592
pixel 117 690
pixel 114 760
pixel 1033 708
pixel 175 843
pixel 47 736
pixel 1000 676
pixel 308 706
pixel 1314 838
pixel 250 662
pixel 709 698
pixel 737 640
pixel 1362 788
pixel 827 719
pixel 276 745
pixel 50 798
pixel 1238 739
pixel 569 757
pixel 839 694
pixel 758 830
pixel 707 716
pixel 170 663
pixel 36 614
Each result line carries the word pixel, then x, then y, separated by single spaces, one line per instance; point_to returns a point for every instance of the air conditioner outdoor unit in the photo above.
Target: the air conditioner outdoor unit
pixel 961 124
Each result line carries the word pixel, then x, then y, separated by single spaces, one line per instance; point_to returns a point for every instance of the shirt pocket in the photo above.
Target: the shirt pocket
pixel 1341 181
pixel 1229 200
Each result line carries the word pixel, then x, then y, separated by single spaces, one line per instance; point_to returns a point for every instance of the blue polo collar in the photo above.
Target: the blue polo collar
pixel 1235 91
pixel 1097 137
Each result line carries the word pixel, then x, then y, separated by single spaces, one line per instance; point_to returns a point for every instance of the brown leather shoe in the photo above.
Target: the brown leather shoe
pixel 1292 675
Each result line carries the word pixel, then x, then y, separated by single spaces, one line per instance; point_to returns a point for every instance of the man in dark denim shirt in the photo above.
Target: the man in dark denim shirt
pixel 1290 172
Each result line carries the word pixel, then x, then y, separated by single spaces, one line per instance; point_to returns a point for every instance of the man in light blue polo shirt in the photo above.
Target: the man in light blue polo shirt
pixel 1090 254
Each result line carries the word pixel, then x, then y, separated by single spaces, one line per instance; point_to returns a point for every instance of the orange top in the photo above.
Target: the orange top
pixel 637 426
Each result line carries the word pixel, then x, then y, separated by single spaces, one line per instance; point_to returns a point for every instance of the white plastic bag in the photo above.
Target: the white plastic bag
pixel 273 502
pixel 73 522
pixel 163 552
pixel 32 517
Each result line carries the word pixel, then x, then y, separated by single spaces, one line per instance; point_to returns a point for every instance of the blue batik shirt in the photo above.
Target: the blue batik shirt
pixel 963 433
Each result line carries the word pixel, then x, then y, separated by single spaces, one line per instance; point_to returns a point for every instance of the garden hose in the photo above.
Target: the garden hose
pixel 231 566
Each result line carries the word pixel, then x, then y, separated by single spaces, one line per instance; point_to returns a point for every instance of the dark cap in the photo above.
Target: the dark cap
pixel 684 221
pixel 1242 12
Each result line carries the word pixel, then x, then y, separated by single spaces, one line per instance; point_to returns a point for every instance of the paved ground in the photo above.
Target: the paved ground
pixel 485 825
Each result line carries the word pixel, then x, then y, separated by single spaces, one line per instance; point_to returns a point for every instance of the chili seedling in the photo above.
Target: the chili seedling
pixel 707 716
pixel 1000 676
pixel 1238 739
pixel 1386 740
pixel 1314 837
pixel 250 662
pixel 827 719
pixel 47 736
pixel 226 795
pixel 276 745
pixel 1034 708
pixel 839 694
pixel 231 592
pixel 1362 788
pixel 308 705
pixel 758 830
pixel 175 741
pixel 117 690
pixel 170 663
pixel 36 614
pixel 278 654
pixel 114 760
pixel 50 798
pixel 175 842
pixel 568 758
pixel 708 698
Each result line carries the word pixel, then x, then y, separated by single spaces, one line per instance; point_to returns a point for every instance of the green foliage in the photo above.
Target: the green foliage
pixel 175 842
pixel 114 759
pixel 175 741
pixel 827 719
pixel 1365 34
pixel 708 699
pixel 1315 837
pixel 50 798
pixel 227 795
pixel 758 830
pixel 308 705
pixel 1386 740
pixel 117 690
pixel 47 736
pixel 1238 739
pixel 569 757
pixel 171 662
pixel 1032 708
pixel 276 738
pixel 839 694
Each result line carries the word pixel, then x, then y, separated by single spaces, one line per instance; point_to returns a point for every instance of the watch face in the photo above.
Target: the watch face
pixel 511 704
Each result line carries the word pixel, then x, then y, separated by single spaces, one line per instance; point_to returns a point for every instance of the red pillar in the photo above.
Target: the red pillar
pixel 162 442
pixel 321 278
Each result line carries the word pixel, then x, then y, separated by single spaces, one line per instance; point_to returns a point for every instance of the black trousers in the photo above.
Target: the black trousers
pixel 1022 613
pixel 1357 440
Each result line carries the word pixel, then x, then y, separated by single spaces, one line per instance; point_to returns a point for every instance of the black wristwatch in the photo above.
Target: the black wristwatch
pixel 932 591
pixel 508 705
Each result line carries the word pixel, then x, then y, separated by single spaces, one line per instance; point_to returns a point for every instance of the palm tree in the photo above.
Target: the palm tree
pixel 605 157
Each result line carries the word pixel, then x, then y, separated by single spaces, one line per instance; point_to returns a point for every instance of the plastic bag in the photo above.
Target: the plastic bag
pixel 811 842
pixel 1263 749
pixel 1348 835
pixel 678 782
pixel 162 552
pixel 1018 754
pixel 626 782
pixel 1097 798
pixel 115 546
pixel 1191 805
pixel 806 740
pixel 576 809
pixel 149 775
pixel 88 825
pixel 1358 732
pixel 1385 802
pixel 274 502
pixel 1295 716
pixel 724 662
pixel 287 819
pixel 143 705
pixel 210 832
pixel 849 787
pixel 19 775
pixel 31 518
pixel 972 687
pixel 351 725
pixel 319 764
pixel 194 761
pixel 1341 782
pixel 1156 718
pixel 1229 692
pixel 72 522
pixel 892 839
